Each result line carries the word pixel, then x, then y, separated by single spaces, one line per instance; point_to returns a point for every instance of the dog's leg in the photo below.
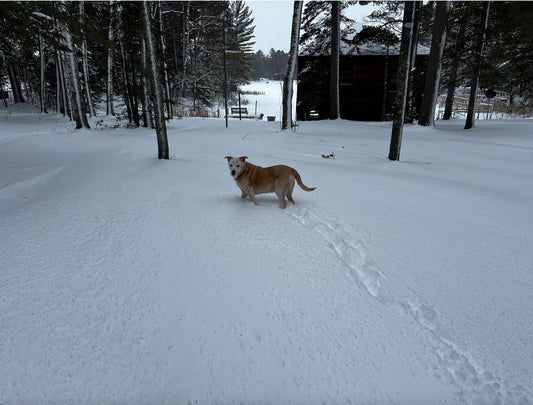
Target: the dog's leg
pixel 250 193
pixel 244 195
pixel 252 198
pixel 289 192
pixel 289 196
pixel 281 198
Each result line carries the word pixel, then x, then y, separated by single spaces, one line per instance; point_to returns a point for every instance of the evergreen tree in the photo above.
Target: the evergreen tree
pixel 316 27
pixel 431 88
pixel 239 36
pixel 476 65
pixel 404 66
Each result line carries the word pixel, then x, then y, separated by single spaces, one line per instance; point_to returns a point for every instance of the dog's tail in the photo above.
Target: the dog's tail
pixel 300 182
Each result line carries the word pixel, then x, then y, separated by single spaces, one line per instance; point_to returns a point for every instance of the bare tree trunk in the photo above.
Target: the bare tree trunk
pixel 125 80
pixel 155 77
pixel 286 118
pixel 58 85
pixel 85 61
pixel 167 101
pixel 185 45
pixel 62 81
pixel 110 110
pixel 42 91
pixel 410 110
pixel 15 83
pixel 334 106
pixel 431 87
pixel 78 111
pixel 146 109
pixel 127 94
pixel 403 80
pixel 470 117
pixel 458 50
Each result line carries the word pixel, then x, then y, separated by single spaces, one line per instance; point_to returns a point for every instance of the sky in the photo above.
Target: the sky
pixel 273 22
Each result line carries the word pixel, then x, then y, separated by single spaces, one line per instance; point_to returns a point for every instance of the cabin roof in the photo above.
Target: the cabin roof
pixel 368 48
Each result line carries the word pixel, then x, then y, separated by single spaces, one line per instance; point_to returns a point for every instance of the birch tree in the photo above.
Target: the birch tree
pixel 78 110
pixel 156 90
pixel 85 61
pixel 77 106
pixel 431 87
pixel 403 80
pixel 286 118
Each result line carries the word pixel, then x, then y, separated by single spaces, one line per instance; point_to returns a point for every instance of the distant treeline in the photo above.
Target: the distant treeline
pixel 269 66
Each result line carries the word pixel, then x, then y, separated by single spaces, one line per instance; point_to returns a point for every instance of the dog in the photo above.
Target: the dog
pixel 253 180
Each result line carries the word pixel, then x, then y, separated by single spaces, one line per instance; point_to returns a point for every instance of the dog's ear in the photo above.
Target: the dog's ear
pixel 243 158
pixel 228 157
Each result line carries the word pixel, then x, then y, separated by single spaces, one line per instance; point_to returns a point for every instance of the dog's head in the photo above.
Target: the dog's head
pixel 236 165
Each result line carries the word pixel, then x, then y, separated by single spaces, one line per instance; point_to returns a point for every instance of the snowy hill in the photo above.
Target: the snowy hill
pixel 124 279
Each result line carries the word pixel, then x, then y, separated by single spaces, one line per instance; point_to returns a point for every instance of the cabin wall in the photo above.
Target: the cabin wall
pixel 362 92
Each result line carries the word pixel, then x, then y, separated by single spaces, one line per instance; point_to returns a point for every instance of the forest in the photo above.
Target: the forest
pixel 67 56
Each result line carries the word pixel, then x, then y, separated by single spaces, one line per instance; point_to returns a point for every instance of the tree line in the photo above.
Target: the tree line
pixel 271 65
pixel 472 44
pixel 151 55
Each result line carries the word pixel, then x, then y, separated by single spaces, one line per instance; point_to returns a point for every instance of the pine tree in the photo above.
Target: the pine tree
pixel 155 79
pixel 403 79
pixel 478 54
pixel 334 106
pixel 455 51
pixel 431 87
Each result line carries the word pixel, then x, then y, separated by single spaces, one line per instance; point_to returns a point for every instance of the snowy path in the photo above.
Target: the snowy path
pixel 125 279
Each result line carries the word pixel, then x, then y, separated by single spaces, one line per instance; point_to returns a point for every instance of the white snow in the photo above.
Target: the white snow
pixel 269 100
pixel 125 279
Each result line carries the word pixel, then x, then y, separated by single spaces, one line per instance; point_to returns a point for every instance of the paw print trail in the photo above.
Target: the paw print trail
pixel 352 254
pixel 474 385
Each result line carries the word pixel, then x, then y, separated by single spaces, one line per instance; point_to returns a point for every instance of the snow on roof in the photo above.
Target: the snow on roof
pixel 368 48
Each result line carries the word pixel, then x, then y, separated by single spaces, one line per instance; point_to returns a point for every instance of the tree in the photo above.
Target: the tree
pixel 239 36
pixel 403 79
pixel 85 59
pixel 155 79
pixel 334 106
pixel 286 120
pixel 509 55
pixel 431 87
pixel 70 68
pixel 110 106
pixel 478 54
pixel 456 51
pixel 317 23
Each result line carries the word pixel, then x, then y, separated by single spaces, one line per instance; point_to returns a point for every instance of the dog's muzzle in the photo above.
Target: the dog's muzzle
pixel 233 172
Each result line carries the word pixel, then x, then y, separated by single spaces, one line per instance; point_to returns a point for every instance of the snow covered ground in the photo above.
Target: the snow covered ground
pixel 269 100
pixel 124 279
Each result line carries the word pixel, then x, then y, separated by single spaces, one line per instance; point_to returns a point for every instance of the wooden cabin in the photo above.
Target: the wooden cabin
pixel 367 84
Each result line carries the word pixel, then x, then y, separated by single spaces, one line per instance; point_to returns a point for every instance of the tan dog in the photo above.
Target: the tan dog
pixel 253 179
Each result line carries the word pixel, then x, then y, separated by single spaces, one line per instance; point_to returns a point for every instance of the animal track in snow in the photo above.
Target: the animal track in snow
pixel 474 385
pixel 352 254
